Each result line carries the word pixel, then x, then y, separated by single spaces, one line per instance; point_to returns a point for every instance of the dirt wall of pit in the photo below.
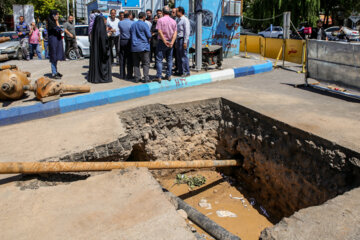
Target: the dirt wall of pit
pixel 284 168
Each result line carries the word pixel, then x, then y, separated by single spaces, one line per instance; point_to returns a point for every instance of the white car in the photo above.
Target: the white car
pixel 335 30
pixel 275 32
pixel 82 39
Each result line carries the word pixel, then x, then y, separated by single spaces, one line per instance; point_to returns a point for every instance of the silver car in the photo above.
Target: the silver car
pixel 10 49
pixel 82 39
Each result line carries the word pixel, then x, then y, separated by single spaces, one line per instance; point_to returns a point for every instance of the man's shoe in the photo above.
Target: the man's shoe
pixel 157 80
pixel 59 74
pixel 186 75
pixel 177 74
pixel 136 80
pixel 167 78
pixel 55 76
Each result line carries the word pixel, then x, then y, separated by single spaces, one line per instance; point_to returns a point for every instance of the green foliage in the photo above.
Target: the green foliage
pixel 301 11
pixel 41 7
pixel 192 181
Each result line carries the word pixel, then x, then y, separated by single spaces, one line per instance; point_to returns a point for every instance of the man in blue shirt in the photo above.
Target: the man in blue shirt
pixel 23 30
pixel 140 47
pixel 125 58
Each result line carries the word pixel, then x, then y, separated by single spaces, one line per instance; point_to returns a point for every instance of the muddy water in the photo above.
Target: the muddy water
pixel 249 222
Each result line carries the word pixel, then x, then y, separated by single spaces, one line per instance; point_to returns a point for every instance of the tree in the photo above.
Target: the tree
pixel 301 11
pixel 41 7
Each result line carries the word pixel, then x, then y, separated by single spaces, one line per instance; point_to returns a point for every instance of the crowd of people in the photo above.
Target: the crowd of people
pixel 138 42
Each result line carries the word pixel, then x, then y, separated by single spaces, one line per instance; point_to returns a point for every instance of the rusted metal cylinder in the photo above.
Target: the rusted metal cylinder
pixel 74 88
pixel 11 84
pixel 4 67
pixel 4 39
pixel 55 167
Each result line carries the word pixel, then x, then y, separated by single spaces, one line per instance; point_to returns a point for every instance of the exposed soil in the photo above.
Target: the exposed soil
pixel 284 168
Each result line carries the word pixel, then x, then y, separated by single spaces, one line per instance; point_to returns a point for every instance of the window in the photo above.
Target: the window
pixel 232 8
pixel 81 31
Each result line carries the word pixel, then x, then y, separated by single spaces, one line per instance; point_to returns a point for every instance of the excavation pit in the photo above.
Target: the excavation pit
pixel 284 168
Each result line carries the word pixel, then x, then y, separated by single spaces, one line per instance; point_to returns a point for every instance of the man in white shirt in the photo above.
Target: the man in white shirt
pixel 113 26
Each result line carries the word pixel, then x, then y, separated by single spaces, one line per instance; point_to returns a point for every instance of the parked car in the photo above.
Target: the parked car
pixel 275 32
pixel 244 31
pixel 82 39
pixel 12 48
pixel 350 34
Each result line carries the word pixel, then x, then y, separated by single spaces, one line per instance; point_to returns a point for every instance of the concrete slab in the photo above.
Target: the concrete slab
pixel 126 204
pixel 337 219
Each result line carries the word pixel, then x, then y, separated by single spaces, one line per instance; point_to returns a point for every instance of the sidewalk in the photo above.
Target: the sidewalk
pixel 119 90
pixel 75 72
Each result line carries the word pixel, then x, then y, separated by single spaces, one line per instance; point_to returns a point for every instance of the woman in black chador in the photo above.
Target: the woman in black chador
pixel 100 61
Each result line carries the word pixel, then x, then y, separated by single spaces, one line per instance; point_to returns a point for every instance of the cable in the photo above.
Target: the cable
pixel 296 30
pixel 264 19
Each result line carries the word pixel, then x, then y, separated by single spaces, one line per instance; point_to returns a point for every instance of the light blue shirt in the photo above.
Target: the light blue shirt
pixel 140 36
pixel 124 27
pixel 183 28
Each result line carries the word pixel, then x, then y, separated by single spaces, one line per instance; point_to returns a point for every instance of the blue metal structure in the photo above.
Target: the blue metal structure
pixel 106 5
pixel 217 28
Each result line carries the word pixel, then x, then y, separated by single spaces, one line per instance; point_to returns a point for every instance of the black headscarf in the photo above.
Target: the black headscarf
pixel 51 20
pixel 100 61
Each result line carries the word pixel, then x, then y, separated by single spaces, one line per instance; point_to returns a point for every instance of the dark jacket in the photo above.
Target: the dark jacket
pixel 315 31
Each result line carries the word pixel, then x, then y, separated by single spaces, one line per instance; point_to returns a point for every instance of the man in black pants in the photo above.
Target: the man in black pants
pixel 113 26
pixel 125 57
pixel 140 47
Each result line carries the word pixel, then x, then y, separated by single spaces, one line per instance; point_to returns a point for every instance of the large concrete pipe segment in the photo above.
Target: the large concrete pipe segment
pixel 203 221
pixel 56 167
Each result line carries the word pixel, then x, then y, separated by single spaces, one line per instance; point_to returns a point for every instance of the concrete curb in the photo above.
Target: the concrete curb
pixel 64 105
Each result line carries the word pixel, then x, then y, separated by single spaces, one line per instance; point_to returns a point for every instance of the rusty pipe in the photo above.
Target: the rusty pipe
pixel 55 167
pixel 4 67
pixel 4 39
pixel 73 88
pixel 7 87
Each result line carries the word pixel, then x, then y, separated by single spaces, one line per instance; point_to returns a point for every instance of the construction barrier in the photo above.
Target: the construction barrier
pixel 271 47
pixel 335 63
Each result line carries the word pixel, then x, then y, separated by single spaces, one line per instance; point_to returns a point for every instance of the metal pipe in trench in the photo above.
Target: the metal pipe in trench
pixel 55 167
pixel 203 221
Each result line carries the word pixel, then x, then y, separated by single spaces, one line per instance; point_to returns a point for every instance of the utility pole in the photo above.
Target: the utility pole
pixel 198 45
pixel 74 12
pixel 287 19
pixel 286 32
pixel 67 8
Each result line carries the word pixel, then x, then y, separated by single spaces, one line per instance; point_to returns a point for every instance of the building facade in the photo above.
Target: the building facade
pixel 221 23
